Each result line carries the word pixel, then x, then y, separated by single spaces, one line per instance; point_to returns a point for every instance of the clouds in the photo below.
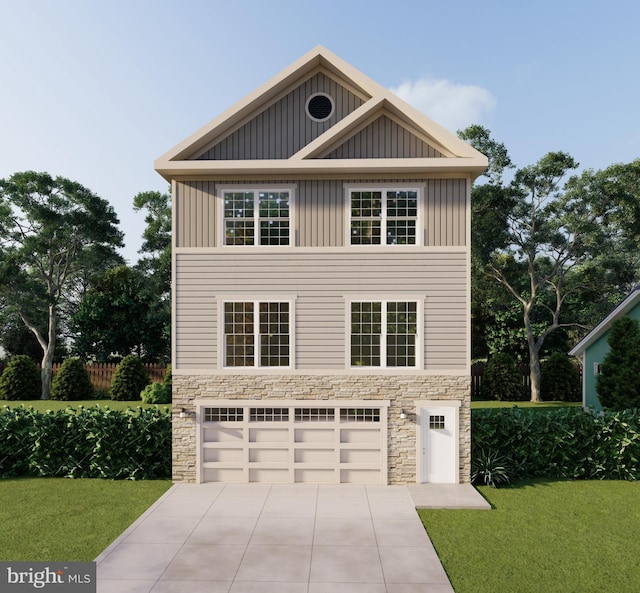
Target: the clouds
pixel 453 106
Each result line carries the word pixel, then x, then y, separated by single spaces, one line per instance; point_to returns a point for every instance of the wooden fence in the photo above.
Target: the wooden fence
pixel 477 370
pixel 101 375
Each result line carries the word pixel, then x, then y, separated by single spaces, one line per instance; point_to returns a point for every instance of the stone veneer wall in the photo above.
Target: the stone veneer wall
pixel 401 390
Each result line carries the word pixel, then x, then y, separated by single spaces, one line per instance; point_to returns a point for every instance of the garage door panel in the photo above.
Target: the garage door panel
pixel 268 455
pixel 293 443
pixel 223 434
pixel 318 435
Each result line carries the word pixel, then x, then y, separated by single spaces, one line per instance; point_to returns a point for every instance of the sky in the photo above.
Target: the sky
pixel 96 90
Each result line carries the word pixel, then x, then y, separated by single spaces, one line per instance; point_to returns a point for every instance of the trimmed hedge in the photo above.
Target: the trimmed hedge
pixel 563 443
pixel 86 443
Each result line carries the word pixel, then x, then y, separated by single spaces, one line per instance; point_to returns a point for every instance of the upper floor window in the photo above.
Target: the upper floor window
pixel 384 333
pixel 383 216
pixel 257 217
pixel 257 334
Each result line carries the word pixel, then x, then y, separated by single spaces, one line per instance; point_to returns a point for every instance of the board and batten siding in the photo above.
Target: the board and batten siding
pixel 322 284
pixel 384 138
pixel 284 128
pixel 320 212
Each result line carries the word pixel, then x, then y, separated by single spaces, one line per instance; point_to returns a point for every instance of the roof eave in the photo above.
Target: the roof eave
pixel 473 166
pixel 622 309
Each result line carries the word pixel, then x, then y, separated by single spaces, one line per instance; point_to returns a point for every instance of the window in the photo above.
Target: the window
pixel 223 414
pixel 383 334
pixel 257 217
pixel 384 217
pixel 257 334
pixel 320 107
pixel 436 422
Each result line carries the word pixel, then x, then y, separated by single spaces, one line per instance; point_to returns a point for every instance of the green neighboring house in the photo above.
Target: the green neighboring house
pixel 594 347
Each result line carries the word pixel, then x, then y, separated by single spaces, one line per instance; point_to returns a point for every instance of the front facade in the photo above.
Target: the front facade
pixel 321 287
pixel 593 348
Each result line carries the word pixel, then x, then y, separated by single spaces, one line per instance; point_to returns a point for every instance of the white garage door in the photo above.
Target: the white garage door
pixel 271 441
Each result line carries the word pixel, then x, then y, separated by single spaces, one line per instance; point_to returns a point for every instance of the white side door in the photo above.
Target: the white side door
pixel 439 437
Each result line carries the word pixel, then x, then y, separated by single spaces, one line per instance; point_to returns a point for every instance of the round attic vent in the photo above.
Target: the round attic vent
pixel 319 107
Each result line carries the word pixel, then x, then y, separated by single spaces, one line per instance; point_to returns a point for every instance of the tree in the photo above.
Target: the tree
pixel 618 384
pixel 156 261
pixel 47 225
pixel 116 317
pixel 562 243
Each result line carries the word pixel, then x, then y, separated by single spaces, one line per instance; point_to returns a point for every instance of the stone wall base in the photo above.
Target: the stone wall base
pixel 401 390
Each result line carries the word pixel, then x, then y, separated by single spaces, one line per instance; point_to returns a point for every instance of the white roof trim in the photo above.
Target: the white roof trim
pixel 376 96
pixel 622 309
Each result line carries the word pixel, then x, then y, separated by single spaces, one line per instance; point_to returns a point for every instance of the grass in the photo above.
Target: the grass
pixel 56 519
pixel 565 537
pixel 545 406
pixel 43 405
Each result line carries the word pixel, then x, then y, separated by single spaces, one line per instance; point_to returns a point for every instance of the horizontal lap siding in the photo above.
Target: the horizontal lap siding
pixel 322 284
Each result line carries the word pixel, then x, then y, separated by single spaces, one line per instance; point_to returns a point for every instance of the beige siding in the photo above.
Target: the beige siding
pixel 322 283
pixel 284 128
pixel 195 218
pixel 320 215
pixel 446 214
pixel 383 138
pixel 319 212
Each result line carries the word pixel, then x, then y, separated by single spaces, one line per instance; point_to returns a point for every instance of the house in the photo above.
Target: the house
pixel 321 287
pixel 595 346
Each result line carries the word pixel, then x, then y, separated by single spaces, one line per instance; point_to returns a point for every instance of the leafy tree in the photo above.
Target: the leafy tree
pixel 491 203
pixel 560 244
pixel 560 379
pixel 72 382
pixel 117 317
pixel 618 384
pixel 502 380
pixel 20 380
pixel 46 226
pixel 129 379
pixel 155 262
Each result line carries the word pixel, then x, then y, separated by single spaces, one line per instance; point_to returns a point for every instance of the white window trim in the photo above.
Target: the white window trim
pixel 420 191
pixel 383 342
pixel 222 189
pixel 222 342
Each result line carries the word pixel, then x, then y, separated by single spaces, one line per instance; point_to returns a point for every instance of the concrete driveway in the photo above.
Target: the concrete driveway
pixel 272 538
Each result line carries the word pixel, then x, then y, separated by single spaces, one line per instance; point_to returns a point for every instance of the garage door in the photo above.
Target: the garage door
pixel 293 442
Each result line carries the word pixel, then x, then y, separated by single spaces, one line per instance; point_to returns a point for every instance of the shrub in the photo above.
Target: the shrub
pixel 156 393
pixel 490 469
pixel 72 382
pixel 564 443
pixel 20 380
pixel 502 380
pixel 618 384
pixel 130 378
pixel 88 443
pixel 560 379
pixel 168 379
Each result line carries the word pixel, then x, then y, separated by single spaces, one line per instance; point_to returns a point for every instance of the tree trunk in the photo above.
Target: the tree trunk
pixel 534 357
pixel 47 360
pixel 534 375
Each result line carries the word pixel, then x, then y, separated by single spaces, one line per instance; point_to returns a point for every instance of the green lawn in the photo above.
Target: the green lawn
pixel 476 405
pixel 51 404
pixel 49 519
pixel 561 537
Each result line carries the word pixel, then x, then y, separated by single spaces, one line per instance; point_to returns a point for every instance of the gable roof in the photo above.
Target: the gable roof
pixel 622 309
pixel 374 106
